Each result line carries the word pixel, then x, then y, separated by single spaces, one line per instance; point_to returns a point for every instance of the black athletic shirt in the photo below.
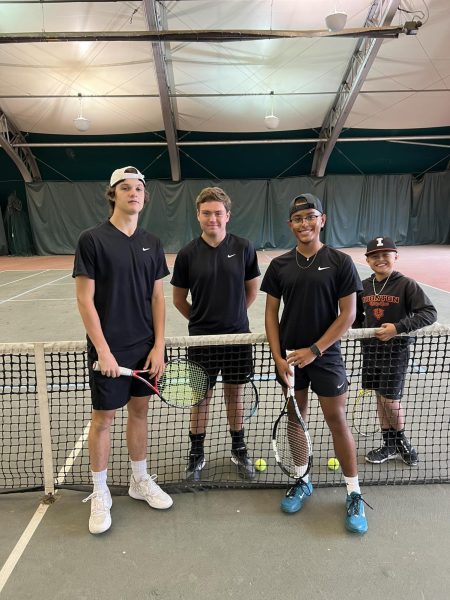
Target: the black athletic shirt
pixel 216 278
pixel 124 270
pixel 311 295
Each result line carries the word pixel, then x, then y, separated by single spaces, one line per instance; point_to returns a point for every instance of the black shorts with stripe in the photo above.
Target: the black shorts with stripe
pixel 326 375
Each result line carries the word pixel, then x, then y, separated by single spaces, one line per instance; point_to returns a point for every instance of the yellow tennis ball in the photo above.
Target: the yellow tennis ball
pixel 333 464
pixel 260 464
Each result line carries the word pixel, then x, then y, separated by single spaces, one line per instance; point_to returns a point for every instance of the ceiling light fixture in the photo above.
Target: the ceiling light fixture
pixel 81 123
pixel 336 21
pixel 271 121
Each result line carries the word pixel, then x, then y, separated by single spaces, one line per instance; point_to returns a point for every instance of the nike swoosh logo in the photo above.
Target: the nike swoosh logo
pixel 231 255
pixel 323 268
pixel 339 386
pixel 145 249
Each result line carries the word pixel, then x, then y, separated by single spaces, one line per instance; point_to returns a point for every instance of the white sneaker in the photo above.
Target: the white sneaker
pixel 146 489
pixel 100 519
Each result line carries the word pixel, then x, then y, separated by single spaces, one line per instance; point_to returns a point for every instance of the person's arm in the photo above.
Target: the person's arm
pixel 179 296
pixel 347 312
pixel 155 359
pixel 251 290
pixel 273 336
pixel 85 290
pixel 420 312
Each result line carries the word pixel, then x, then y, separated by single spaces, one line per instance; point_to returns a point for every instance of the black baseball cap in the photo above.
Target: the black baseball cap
pixel 379 244
pixel 303 202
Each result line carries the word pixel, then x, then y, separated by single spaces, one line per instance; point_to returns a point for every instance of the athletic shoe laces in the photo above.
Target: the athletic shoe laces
pixel 300 485
pixel 354 506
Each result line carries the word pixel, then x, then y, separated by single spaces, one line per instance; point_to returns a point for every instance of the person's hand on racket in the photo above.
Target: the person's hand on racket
pixel 301 357
pixel 108 364
pixel 285 371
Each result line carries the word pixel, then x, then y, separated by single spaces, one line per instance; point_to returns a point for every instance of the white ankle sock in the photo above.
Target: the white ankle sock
pixel 352 484
pixel 139 468
pixel 299 472
pixel 99 480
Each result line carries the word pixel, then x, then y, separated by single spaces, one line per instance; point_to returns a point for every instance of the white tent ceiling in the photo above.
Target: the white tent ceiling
pixel 221 86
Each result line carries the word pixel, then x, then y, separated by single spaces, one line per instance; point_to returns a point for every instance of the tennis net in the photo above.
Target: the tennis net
pixel 45 408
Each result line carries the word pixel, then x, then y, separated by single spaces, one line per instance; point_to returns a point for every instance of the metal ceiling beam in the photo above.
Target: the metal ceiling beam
pixel 14 144
pixel 381 13
pixel 203 35
pixel 224 95
pixel 156 19
pixel 395 138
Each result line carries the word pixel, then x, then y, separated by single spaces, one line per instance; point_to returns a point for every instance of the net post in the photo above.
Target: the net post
pixel 44 417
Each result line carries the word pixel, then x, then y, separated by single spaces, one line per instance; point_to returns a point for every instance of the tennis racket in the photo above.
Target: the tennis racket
pixel 183 384
pixel 365 419
pixel 250 399
pixel 291 440
pixel 244 398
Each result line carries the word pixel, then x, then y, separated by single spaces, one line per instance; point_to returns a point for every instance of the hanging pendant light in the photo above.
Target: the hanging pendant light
pixel 271 121
pixel 81 123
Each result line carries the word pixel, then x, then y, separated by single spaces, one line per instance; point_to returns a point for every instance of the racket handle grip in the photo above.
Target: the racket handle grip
pixel 291 378
pixel 123 370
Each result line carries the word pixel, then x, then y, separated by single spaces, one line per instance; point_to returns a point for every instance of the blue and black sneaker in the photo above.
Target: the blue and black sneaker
pixel 295 496
pixel 355 519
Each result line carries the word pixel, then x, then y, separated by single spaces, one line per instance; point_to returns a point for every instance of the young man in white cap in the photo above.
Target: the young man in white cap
pixel 119 270
pixel 393 304
pixel 318 286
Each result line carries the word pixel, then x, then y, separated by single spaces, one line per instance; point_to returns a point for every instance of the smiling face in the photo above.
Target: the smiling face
pixel 213 218
pixel 306 225
pixel 382 263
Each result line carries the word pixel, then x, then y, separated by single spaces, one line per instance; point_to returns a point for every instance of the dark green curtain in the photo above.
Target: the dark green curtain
pixel 358 208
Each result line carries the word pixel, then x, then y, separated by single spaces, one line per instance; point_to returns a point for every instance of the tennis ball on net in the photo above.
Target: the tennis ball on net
pixel 260 464
pixel 333 464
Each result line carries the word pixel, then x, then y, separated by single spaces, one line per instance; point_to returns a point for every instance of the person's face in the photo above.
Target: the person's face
pixel 382 263
pixel 213 218
pixel 129 196
pixel 306 224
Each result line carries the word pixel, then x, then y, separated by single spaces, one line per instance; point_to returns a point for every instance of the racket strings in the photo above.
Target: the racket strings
pixel 293 446
pixel 183 384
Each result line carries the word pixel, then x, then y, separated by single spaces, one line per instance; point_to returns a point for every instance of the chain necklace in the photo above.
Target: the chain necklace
pixel 309 263
pixel 384 285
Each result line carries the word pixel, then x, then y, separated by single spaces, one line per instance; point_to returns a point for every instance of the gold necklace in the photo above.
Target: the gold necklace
pixel 384 285
pixel 299 265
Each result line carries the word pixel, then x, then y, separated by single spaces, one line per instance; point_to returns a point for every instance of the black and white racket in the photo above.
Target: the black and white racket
pixel 365 419
pixel 183 384
pixel 291 440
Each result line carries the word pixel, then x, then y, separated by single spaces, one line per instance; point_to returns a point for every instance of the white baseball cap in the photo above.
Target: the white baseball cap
pixel 121 174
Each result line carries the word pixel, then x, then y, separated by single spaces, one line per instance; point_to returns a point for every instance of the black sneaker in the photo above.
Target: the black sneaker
pixel 407 453
pixel 381 454
pixel 195 466
pixel 244 463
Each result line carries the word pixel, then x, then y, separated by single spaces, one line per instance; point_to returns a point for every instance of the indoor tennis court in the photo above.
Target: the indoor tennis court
pixel 268 99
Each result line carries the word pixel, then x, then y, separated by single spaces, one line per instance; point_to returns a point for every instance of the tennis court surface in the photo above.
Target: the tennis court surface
pixel 214 543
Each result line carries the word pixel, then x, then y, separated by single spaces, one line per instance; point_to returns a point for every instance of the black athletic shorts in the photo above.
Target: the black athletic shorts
pixel 326 375
pixel 234 362
pixel 110 393
pixel 384 367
